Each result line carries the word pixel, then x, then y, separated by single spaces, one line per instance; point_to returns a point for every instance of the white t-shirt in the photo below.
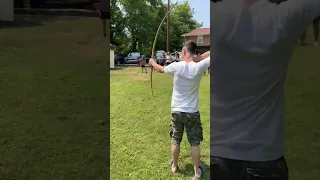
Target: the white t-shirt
pixel 252 47
pixel 186 82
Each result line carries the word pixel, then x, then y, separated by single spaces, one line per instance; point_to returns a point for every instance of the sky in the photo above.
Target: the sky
pixel 202 10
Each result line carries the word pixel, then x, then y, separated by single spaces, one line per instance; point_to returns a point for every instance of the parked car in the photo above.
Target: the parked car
pixel 132 58
pixel 118 59
pixel 161 57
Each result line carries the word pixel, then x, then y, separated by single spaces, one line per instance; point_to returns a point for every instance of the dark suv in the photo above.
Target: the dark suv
pixel 132 58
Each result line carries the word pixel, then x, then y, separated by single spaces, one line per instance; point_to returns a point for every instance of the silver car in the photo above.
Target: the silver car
pixel 161 57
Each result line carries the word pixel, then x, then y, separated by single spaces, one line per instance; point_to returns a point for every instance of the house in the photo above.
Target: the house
pixel 111 56
pixel 6 10
pixel 201 36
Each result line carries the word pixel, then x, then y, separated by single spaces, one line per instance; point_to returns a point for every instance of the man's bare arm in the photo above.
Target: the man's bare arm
pixel 156 66
pixel 202 56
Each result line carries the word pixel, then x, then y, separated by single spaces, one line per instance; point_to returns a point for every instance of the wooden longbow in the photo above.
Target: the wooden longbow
pixel 154 44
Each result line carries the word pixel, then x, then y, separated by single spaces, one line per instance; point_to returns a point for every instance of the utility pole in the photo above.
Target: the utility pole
pixel 168 27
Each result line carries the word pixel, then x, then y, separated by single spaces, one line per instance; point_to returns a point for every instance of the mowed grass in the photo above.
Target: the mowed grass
pixel 54 95
pixel 140 141
pixel 302 130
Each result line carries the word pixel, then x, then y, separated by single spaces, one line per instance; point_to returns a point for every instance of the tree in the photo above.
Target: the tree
pixel 182 22
pixel 140 20
pixel 134 25
pixel 118 35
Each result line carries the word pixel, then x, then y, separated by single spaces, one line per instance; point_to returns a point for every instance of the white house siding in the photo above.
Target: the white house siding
pixel 111 58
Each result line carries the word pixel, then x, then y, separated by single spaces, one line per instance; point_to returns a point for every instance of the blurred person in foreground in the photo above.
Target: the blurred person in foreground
pixel 253 41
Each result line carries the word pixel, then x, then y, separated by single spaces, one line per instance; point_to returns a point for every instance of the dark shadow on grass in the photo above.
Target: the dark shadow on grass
pixel 188 169
pixel 185 156
pixel 116 68
pixel 305 44
pixel 23 21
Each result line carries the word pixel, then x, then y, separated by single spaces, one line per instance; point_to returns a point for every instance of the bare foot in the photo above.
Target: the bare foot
pixel 174 169
pixel 199 175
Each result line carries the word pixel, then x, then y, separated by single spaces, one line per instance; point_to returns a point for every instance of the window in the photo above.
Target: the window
pixel 200 39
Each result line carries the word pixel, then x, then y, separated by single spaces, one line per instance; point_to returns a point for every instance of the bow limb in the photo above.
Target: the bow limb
pixel 154 44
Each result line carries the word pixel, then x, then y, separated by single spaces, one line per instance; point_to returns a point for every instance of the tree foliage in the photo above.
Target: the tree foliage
pixel 135 22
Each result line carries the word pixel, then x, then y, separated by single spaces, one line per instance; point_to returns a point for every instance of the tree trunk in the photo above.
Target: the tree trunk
pixel 134 44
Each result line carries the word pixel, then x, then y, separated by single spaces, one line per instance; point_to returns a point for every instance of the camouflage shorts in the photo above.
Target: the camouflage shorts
pixel 189 121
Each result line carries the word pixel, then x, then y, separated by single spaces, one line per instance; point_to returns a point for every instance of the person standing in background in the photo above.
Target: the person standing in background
pixel 168 59
pixel 316 30
pixel 142 62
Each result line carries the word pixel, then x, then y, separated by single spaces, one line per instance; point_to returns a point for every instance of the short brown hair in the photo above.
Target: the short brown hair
pixel 190 46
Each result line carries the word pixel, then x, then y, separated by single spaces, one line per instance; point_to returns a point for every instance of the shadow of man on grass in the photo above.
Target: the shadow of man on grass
pixel 188 170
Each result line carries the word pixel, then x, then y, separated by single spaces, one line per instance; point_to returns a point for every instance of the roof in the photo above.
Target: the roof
pixel 200 31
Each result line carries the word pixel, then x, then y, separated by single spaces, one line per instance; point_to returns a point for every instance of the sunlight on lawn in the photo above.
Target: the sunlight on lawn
pixel 140 141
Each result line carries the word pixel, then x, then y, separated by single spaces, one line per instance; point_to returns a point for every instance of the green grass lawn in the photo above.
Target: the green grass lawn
pixel 54 93
pixel 302 130
pixel 140 141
